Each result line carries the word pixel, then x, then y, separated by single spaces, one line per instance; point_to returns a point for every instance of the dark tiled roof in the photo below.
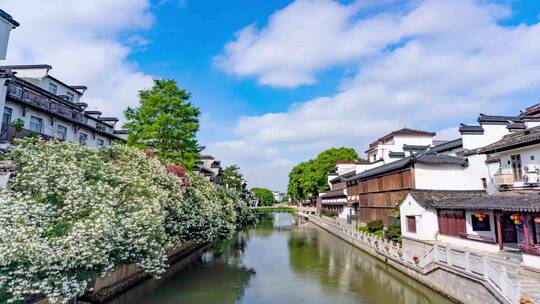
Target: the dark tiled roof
pixel 514 140
pixel 496 119
pixel 493 159
pixel 79 87
pixel 516 126
pixel 206 157
pixel 25 66
pixel 426 157
pixel 403 131
pixel 115 119
pixel 92 112
pixel 334 194
pixel 396 154
pixel 507 201
pixel 469 129
pixel 8 18
pixel 532 110
pixel 449 145
pixel 433 198
pixel 414 147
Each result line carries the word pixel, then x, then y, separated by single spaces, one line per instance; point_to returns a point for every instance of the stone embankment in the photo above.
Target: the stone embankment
pixel 461 275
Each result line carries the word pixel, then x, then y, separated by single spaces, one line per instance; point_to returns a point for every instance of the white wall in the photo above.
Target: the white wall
pixel 529 155
pixel 443 177
pixel 5 29
pixel 347 210
pixel 492 133
pixel 426 220
pixel 396 145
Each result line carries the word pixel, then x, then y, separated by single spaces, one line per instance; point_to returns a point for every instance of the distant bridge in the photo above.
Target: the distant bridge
pixel 300 209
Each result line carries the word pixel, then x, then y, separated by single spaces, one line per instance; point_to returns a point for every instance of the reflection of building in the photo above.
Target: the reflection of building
pixel 210 168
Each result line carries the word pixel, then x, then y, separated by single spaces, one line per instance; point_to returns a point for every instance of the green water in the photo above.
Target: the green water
pixel 283 259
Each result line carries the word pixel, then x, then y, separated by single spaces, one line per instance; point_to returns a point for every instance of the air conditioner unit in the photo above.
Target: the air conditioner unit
pixel 503 179
pixel 530 178
pixel 530 168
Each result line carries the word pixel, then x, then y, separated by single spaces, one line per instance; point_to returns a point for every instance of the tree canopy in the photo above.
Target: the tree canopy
pixel 165 122
pixel 309 178
pixel 232 178
pixel 265 196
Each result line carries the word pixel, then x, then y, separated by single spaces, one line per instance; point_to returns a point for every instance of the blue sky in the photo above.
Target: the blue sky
pixel 279 81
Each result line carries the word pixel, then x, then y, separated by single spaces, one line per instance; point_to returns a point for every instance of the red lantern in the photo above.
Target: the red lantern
pixel 480 216
pixel 516 218
pixel 537 219
pixel 416 260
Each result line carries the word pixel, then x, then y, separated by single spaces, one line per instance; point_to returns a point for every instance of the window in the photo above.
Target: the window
pixel 100 142
pixel 70 96
pixel 480 225
pixel 411 224
pixel 8 113
pixel 53 88
pixel 484 183
pixel 36 124
pixel 451 222
pixel 516 167
pixel 61 132
pixel 532 157
pixel 82 138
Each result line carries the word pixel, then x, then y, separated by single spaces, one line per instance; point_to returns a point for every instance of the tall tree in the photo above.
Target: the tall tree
pixel 309 178
pixel 265 196
pixel 232 177
pixel 165 122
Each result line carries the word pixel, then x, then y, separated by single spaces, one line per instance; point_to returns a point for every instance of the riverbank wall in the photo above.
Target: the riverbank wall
pixel 460 286
pixel 126 277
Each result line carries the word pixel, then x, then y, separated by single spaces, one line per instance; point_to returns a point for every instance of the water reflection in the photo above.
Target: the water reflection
pixel 283 259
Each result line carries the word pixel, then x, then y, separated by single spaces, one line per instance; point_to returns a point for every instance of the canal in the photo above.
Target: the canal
pixel 283 259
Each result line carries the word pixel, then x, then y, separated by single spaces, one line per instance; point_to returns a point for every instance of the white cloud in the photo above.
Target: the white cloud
pixel 82 41
pixel 433 63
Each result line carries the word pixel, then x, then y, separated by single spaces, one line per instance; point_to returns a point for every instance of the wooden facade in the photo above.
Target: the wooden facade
pixel 377 196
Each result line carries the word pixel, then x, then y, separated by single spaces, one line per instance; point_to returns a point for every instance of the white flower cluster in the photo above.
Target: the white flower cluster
pixel 74 213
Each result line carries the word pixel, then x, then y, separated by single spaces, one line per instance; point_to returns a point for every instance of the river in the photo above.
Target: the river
pixel 283 259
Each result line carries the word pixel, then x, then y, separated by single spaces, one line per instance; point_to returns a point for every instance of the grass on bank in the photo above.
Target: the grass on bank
pixel 273 209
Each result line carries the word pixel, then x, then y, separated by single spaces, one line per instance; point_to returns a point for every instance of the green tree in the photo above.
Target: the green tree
pixel 232 177
pixel 265 196
pixel 165 122
pixel 309 178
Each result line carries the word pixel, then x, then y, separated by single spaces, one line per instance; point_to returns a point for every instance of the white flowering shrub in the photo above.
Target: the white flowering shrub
pixel 74 213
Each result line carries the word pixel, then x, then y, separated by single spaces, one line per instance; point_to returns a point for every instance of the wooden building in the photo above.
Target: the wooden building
pixel 378 191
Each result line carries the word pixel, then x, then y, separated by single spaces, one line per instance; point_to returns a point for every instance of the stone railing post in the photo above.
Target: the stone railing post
pixel 485 266
pixel 467 260
pixel 448 255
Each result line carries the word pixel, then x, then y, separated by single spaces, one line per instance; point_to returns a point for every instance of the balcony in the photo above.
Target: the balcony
pixel 46 104
pixel 8 134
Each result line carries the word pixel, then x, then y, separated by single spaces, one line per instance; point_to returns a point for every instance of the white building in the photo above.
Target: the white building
pixel 48 107
pixel 7 23
pixel 398 144
pixel 210 168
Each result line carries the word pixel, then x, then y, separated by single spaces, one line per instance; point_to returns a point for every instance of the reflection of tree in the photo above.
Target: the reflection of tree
pixel 318 255
pixel 218 276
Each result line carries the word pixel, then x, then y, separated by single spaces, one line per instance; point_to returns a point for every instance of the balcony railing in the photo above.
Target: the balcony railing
pixel 531 249
pixel 8 133
pixel 55 107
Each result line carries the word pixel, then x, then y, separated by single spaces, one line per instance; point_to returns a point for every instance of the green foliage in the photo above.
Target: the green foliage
pixel 165 122
pixel 375 225
pixel 309 178
pixel 274 209
pixel 232 177
pixel 394 233
pixel 18 125
pixel 326 213
pixel 265 196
